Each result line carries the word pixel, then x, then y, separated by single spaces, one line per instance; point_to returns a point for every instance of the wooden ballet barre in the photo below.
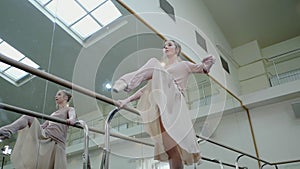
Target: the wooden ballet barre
pixel 58 120
pixel 62 82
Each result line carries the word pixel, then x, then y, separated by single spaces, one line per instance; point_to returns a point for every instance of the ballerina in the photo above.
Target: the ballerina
pixel 41 146
pixel 162 105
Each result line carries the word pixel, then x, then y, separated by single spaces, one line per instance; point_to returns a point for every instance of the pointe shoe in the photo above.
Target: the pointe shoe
pixel 4 134
pixel 119 85
pixel 208 62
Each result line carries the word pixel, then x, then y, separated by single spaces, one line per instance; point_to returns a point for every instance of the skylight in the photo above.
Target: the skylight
pixel 81 18
pixel 10 73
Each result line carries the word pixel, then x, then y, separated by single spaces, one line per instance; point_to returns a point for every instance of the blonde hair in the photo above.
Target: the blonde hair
pixel 68 94
pixel 178 47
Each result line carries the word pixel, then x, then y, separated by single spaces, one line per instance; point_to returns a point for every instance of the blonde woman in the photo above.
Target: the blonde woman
pixel 41 146
pixel 162 104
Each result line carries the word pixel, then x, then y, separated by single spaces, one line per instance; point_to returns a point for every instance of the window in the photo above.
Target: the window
pixel 224 64
pixel 14 75
pixel 80 18
pixel 168 8
pixel 201 41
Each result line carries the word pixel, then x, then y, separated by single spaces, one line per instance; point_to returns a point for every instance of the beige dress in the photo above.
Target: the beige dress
pixel 163 97
pixel 38 148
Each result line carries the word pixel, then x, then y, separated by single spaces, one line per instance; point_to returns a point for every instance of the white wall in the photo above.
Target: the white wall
pixel 281 47
pixel 247 53
pixel 277 131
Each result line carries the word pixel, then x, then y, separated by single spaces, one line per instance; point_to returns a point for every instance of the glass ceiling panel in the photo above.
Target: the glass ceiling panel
pixel 15 73
pixel 90 4
pixel 3 66
pixel 30 63
pixel 80 18
pixel 107 13
pixel 85 31
pixel 66 10
pixel 8 50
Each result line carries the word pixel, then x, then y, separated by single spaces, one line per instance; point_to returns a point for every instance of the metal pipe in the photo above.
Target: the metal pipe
pixel 220 163
pixel 214 161
pixel 263 166
pixel 106 150
pixel 85 155
pixel 237 161
pixel 232 149
pixel 277 75
pixel 62 82
pixel 286 162
pixel 3 159
pixel 276 167
pixel 54 119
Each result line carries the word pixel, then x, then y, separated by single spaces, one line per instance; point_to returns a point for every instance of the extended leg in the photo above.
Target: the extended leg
pixel 8 130
pixel 131 80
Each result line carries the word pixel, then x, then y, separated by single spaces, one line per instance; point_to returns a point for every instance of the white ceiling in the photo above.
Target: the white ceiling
pixel 267 21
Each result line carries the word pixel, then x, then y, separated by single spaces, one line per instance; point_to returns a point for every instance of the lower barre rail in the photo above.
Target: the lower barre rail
pixel 286 162
pixel 221 164
pixel 232 149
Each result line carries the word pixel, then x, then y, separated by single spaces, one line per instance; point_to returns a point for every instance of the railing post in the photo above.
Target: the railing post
pixel 237 161
pixel 85 155
pixel 277 75
pixel 262 166
pixel 106 150
pixel 220 163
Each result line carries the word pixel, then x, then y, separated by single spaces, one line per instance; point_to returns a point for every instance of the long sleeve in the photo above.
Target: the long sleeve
pixel 195 67
pixel 71 115
pixel 45 124
pixel 137 94
pixel 203 67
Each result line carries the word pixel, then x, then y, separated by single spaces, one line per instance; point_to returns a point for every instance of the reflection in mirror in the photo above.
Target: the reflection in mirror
pixel 94 58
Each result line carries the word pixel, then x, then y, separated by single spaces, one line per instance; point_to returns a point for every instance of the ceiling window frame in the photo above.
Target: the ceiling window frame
pixel 12 74
pixel 89 12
